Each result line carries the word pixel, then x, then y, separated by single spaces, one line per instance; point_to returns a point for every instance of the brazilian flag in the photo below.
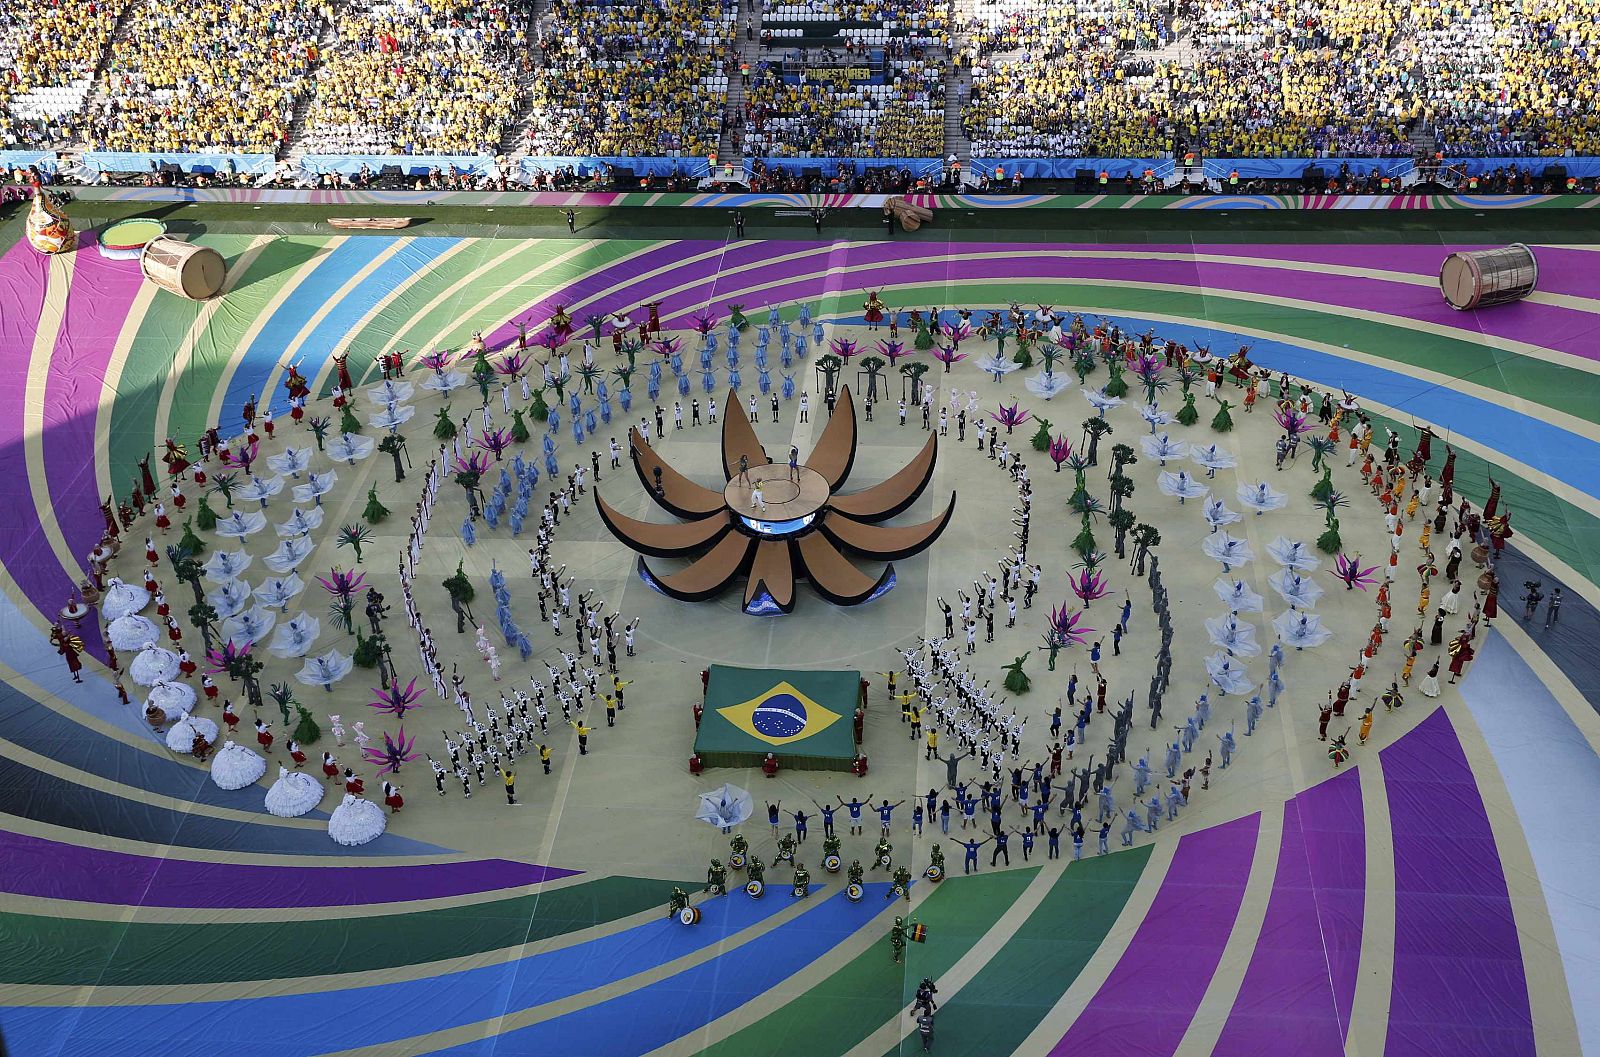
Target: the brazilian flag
pixel 805 718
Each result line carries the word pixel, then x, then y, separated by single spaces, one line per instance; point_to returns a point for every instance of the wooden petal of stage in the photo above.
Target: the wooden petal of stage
pixel 771 576
pixel 835 452
pixel 886 544
pixel 834 576
pixel 676 539
pixel 708 576
pixel 683 497
pixel 739 439
pixel 889 497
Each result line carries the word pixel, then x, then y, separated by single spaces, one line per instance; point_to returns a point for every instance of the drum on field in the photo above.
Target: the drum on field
pixel 919 933
pixel 689 916
pixel 885 861
pixel 736 861
pixel 831 864
pixel 188 270
pixel 897 891
pixel 934 873
pixel 1480 278
pixel 754 889
pixel 854 893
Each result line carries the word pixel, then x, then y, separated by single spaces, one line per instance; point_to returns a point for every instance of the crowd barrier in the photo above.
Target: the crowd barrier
pixel 131 162
pixel 408 164
pixel 694 168
pixel 1582 168
pixel 1216 169
pixel 43 160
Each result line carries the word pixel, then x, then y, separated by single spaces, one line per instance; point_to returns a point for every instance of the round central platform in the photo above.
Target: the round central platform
pixel 783 497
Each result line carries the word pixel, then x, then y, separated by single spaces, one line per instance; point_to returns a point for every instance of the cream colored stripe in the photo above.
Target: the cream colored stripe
pixel 1555 1029
pixel 292 350
pixel 40 906
pixel 1217 1005
pixel 52 315
pixel 239 990
pixel 1369 1011
pixel 124 348
pixel 1088 983
pixel 180 363
pixel 959 975
pixel 418 1045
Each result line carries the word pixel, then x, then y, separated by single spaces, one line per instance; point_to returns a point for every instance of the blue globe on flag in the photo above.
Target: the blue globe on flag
pixel 779 716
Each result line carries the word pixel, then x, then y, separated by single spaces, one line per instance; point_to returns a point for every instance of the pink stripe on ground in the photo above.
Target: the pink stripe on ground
pixel 52 870
pixel 24 279
pixel 98 303
pixel 1296 996
pixel 1146 1004
pixel 1460 987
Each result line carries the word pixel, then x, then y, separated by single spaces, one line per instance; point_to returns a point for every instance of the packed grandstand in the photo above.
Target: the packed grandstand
pixel 538 91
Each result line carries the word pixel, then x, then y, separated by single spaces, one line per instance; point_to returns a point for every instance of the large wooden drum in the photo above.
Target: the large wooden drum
pixel 1480 278
pixel 195 272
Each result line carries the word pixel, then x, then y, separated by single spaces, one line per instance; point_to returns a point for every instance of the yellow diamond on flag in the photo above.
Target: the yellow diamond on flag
pixel 780 716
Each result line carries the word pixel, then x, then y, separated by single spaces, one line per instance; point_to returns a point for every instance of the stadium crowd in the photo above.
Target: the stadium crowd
pixel 1265 78
pixel 48 51
pixel 206 76
pixel 864 78
pixel 631 77
pixel 419 77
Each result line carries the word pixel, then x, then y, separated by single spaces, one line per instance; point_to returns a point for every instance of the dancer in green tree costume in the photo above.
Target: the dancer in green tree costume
pixel 1222 421
pixel 1187 415
pixel 445 428
pixel 375 511
pixel 1017 680
pixel 1329 542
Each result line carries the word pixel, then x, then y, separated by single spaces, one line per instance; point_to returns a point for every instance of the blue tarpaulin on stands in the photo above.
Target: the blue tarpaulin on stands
pixel 43 160
pixel 127 161
pixel 694 167
pixel 410 164
pixel 1067 168
pixel 1294 168
pixel 1579 167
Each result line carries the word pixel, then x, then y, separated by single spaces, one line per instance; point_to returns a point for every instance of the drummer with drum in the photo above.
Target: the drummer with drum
pixel 902 884
pixel 883 854
pixel 802 881
pixel 677 902
pixel 717 878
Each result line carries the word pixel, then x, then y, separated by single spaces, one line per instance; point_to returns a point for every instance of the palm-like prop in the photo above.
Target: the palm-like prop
pixel 1010 416
pixel 355 537
pixel 396 701
pixel 1066 626
pixel 397 750
pixel 1350 572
